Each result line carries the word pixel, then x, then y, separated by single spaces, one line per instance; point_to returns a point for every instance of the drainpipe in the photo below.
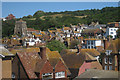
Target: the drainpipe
pixel 53 73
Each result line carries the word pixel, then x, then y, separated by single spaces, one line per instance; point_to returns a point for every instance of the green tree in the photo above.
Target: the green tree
pixel 73 44
pixel 118 33
pixel 55 45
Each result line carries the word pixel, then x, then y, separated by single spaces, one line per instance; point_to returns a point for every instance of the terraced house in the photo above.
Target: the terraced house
pixel 111 56
pixel 79 62
pixel 45 64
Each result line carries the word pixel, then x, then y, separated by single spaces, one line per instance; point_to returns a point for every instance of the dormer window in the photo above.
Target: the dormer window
pixel 108 52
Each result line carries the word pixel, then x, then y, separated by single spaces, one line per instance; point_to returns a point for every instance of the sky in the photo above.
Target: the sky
pixel 20 9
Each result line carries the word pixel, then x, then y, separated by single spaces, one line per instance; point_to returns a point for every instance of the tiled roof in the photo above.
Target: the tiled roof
pixel 76 60
pixel 53 57
pixel 114 46
pixel 98 74
pixel 29 61
pixel 91 39
pixel 92 31
pixel 30 29
pixel 5 52
pixel 38 35
pixel 67 28
pixel 32 49
pixel 92 52
pixel 32 61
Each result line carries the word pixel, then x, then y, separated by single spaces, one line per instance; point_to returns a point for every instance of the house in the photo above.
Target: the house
pixel 5 63
pixel 76 30
pixel 1 56
pixel 92 32
pixel 10 16
pixel 110 57
pixel 114 24
pixel 95 74
pixel 90 43
pixel 111 32
pixel 60 35
pixel 67 31
pixel 45 64
pixel 31 32
pixel 31 41
pixel 78 62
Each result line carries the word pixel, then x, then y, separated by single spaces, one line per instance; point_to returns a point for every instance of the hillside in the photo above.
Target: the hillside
pixel 44 20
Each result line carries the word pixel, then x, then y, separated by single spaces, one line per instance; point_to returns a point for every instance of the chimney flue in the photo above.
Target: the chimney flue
pixel 43 52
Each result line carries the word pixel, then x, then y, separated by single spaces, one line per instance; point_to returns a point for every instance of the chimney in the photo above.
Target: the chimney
pixel 106 43
pixel 43 52
pixel 79 48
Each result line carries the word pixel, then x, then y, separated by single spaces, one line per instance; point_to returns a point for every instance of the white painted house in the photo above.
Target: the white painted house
pixel 111 32
pixel 31 41
pixel 92 43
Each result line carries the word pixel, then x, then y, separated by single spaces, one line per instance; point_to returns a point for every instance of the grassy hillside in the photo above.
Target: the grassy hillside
pixel 44 20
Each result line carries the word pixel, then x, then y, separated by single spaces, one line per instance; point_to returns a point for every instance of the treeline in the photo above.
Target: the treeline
pixel 44 20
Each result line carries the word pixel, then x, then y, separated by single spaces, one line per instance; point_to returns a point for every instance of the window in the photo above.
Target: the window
pixel 88 47
pixel 91 46
pixel 88 42
pixel 111 32
pixel 106 68
pixel 106 60
pixel 47 75
pixel 110 60
pixel 108 52
pixel 13 75
pixel 60 74
pixel 75 29
pixel 110 67
pixel 91 42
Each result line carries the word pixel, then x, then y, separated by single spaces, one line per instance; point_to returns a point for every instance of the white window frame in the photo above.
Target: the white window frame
pixel 109 60
pixel 60 74
pixel 47 74
pixel 106 60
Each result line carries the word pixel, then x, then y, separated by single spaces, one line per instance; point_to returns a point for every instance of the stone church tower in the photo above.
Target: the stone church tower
pixel 20 28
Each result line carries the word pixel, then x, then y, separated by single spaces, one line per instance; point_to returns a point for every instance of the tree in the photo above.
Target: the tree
pixel 55 45
pixel 73 44
pixel 118 33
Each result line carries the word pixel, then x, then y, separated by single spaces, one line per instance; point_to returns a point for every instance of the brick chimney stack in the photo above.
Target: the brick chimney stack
pixel 43 52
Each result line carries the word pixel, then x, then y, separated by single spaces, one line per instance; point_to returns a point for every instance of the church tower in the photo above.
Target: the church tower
pixel 20 28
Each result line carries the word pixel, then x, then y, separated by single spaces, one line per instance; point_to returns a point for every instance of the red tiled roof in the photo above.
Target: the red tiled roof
pixel 29 60
pixel 32 62
pixel 30 29
pixel 75 60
